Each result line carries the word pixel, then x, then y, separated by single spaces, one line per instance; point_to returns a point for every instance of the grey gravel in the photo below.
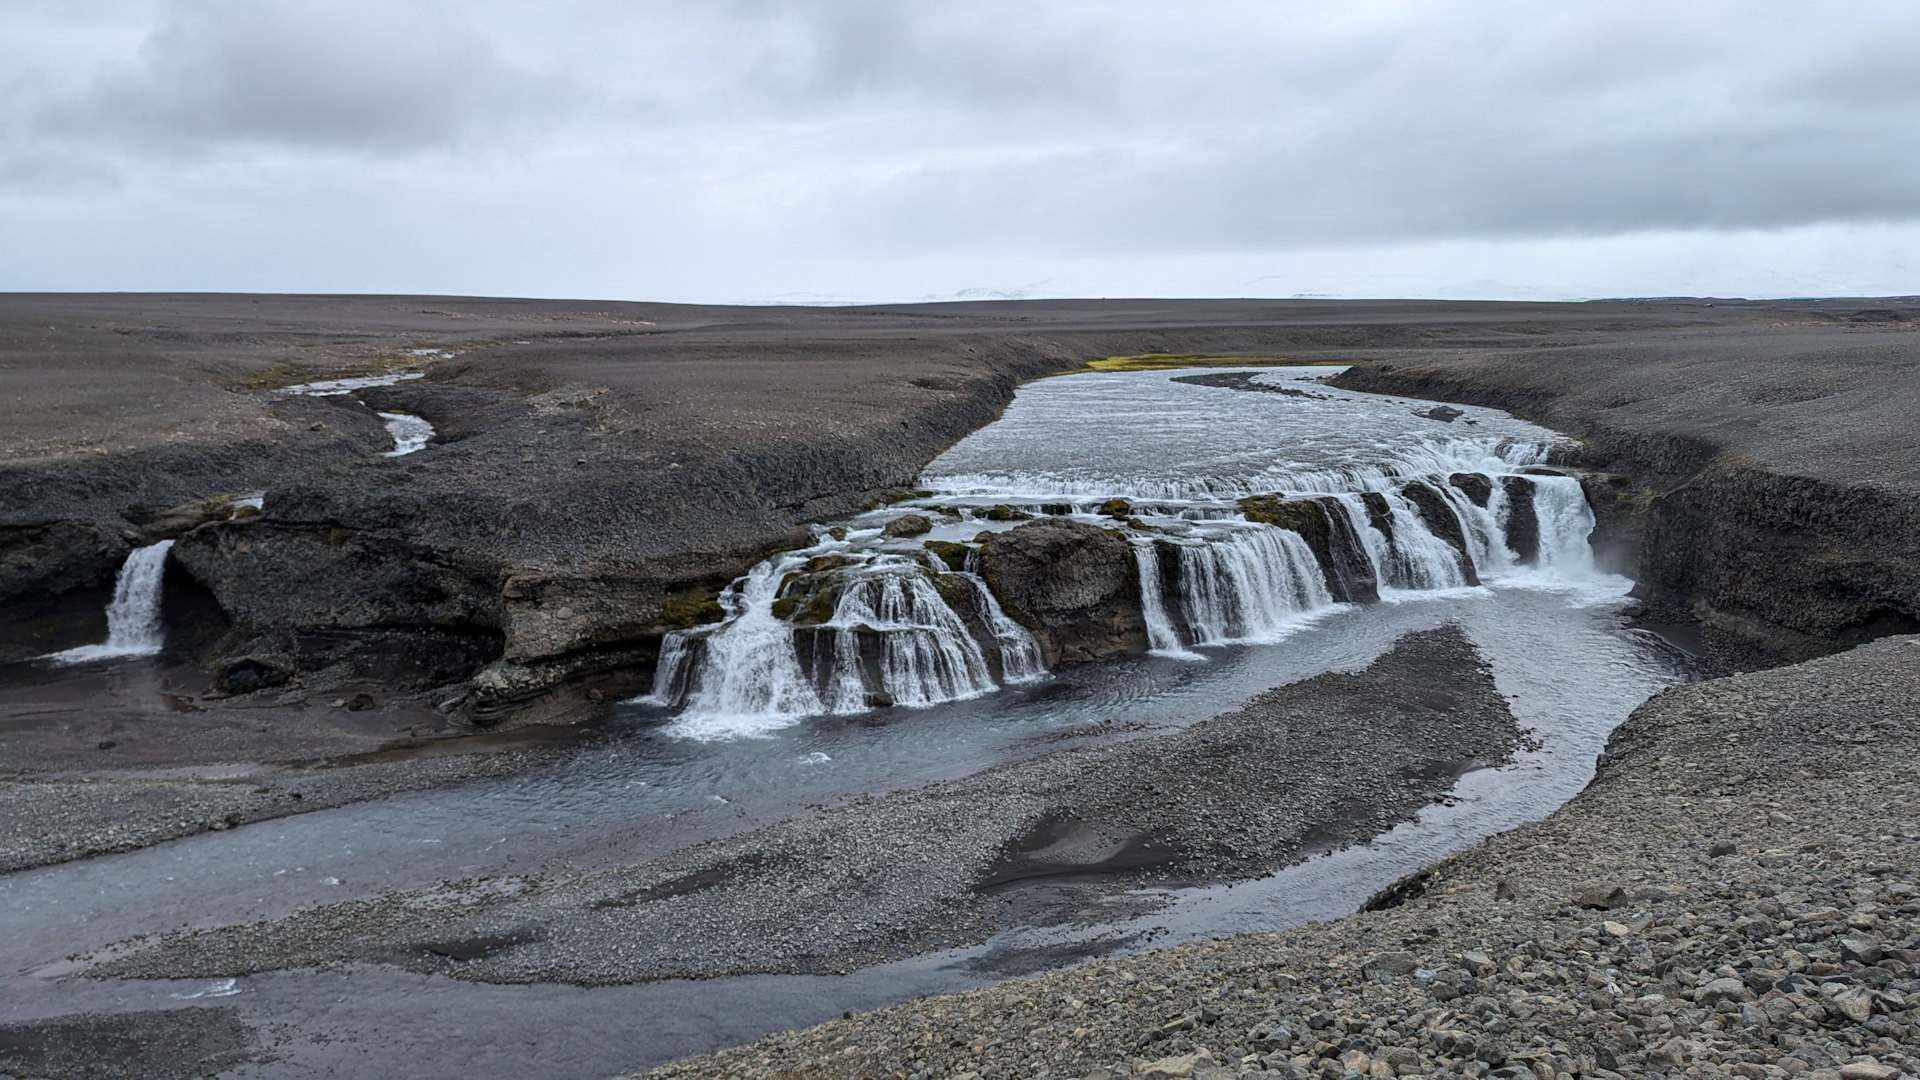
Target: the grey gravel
pixel 1324 762
pixel 1626 949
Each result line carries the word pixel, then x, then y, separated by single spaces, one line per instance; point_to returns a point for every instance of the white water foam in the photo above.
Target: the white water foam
pixel 410 433
pixel 133 616
pixel 1182 454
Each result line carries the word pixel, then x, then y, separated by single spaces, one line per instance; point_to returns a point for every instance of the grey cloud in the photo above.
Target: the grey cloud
pixel 769 130
pixel 391 76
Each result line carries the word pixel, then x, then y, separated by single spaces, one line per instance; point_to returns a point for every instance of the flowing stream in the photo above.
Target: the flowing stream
pixel 782 705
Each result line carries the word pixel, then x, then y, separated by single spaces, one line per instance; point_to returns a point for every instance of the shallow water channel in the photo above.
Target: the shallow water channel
pixel 699 759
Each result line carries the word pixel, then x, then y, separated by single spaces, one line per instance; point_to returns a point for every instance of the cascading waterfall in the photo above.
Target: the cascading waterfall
pixel 1020 659
pixel 1251 584
pixel 1162 637
pixel 1565 523
pixel 133 616
pixel 895 636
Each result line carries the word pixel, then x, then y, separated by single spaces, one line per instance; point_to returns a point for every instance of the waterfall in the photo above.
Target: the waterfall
pixel 133 616
pixel 409 433
pixel 1415 558
pixel 926 653
pixel 1162 637
pixel 1249 585
pixel 747 678
pixel 1020 659
pixel 1565 523
pixel 900 632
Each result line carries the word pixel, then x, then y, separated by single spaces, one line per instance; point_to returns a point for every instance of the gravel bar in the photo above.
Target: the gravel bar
pixel 1733 895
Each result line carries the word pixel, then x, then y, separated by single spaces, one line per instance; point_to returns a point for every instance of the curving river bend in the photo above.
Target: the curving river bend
pixel 741 730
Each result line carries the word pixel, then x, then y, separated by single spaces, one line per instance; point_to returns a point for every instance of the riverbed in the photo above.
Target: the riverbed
pixel 678 770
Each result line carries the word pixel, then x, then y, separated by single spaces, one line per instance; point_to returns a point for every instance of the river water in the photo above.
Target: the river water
pixel 743 730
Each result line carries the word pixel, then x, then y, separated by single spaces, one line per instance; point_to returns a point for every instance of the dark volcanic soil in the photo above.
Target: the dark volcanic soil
pixel 599 469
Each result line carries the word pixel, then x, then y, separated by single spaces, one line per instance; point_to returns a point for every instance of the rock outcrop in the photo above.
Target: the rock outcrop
pixel 1074 585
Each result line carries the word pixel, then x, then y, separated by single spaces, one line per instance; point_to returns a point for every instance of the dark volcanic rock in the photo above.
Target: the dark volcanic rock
pixel 1477 487
pixel 1439 520
pixel 1074 585
pixel 1523 524
pixel 53 557
pixel 907 525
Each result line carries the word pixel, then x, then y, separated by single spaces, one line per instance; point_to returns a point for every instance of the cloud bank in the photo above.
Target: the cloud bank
pixel 860 149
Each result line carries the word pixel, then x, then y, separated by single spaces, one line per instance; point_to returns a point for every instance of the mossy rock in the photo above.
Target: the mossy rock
pixel 1304 516
pixel 1003 512
pixel 820 564
pixel 686 612
pixel 908 525
pixel 954 555
pixel 1116 508
pixel 1056 509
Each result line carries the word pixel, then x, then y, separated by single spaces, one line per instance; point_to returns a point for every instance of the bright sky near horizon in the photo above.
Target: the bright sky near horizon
pixel 850 150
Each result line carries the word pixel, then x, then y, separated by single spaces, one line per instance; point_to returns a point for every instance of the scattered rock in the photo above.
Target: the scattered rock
pixel 907 525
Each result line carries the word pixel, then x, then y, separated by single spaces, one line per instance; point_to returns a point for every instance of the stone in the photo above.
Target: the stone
pixel 1506 890
pixel 1614 929
pixel 1175 1068
pixel 1116 508
pixel 1862 949
pixel 1853 1002
pixel 1523 523
pixel 950 553
pixel 1477 487
pixel 1477 964
pixel 1725 847
pixel 250 673
pixel 1868 1070
pixel 1721 990
pixel 1074 585
pixel 1601 895
pixel 1387 965
pixel 908 525
pixel 1446 414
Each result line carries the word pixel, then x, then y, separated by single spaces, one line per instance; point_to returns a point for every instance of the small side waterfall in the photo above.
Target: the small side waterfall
pixel 410 433
pixel 133 616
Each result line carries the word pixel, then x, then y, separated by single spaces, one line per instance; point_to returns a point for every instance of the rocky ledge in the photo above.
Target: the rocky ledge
pixel 1733 895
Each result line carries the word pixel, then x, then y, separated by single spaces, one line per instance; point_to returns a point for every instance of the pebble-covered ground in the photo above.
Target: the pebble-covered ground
pixel 1327 761
pixel 1734 895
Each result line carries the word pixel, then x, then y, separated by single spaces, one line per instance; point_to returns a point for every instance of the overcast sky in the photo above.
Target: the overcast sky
pixel 753 150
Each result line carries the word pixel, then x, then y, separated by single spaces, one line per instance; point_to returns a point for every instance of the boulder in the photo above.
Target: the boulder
pixel 952 554
pixel 907 525
pixel 1475 486
pixel 1074 585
